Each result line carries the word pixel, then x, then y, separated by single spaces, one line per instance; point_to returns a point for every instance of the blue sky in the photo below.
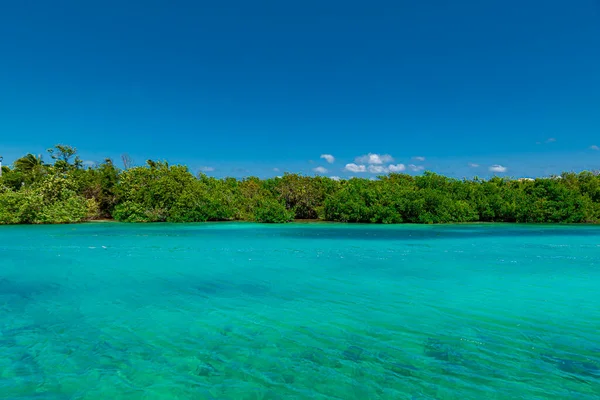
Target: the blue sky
pixel 245 88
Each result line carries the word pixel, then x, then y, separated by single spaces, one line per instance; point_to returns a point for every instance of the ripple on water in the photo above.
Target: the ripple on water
pixel 336 312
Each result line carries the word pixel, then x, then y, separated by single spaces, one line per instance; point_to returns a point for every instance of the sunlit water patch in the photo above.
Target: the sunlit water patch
pixel 323 311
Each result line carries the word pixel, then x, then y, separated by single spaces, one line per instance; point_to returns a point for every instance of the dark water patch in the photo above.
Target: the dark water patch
pixel 226 330
pixel 110 357
pixel 314 355
pixel 401 369
pixel 26 365
pixel 10 335
pixel 206 369
pixel 24 289
pixel 166 230
pixel 211 288
pixel 403 233
pixel 441 351
pixel 581 366
pixel 354 353
pixel 253 289
pixel 218 287
pixel 332 231
pixel 318 357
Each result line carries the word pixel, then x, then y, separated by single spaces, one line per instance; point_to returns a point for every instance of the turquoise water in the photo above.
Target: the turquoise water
pixel 245 311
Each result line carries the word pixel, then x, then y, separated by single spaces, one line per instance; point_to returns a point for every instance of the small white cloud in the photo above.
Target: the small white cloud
pixel 275 169
pixel 551 140
pixel 328 157
pixel 594 147
pixel 397 167
pixel 355 168
pixel 377 169
pixel 335 178
pixel 498 168
pixel 416 168
pixel 473 165
pixel 421 159
pixel 372 158
pixel 89 163
pixel 320 170
pixel 207 169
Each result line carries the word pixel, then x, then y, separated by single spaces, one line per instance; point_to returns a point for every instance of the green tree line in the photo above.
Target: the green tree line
pixel 66 191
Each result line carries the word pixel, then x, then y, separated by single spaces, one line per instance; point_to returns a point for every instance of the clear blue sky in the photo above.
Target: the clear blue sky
pixel 246 87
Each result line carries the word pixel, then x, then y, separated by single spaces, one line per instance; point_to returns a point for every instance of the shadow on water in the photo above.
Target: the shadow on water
pixel 216 287
pixel 25 290
pixel 378 233
pixel 345 231
pixel 582 366
pixel 579 368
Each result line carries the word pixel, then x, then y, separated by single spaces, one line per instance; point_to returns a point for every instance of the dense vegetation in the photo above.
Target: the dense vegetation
pixel 64 191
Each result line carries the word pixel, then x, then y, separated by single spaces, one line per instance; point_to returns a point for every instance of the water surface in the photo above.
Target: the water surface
pixel 317 311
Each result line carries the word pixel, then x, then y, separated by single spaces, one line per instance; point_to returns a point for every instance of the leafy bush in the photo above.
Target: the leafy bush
pixel 70 210
pixel 272 211
pixel 130 211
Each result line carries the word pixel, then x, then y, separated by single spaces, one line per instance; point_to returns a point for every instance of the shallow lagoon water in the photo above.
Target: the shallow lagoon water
pixel 300 311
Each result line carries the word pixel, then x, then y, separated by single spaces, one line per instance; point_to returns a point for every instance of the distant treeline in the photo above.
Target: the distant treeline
pixel 65 191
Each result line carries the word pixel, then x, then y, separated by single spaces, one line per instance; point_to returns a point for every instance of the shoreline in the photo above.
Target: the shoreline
pixel 316 222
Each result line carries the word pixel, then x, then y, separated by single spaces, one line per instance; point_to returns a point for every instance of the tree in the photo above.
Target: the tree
pixel 28 163
pixel 127 161
pixel 62 154
pixel 27 170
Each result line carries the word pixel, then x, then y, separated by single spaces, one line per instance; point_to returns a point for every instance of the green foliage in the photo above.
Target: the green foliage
pixel 64 192
pixel 51 200
pixel 69 210
pixel 62 154
pixel 98 184
pixel 301 194
pixel 20 207
pixel 272 211
pixel 130 211
pixel 150 192
pixel 207 199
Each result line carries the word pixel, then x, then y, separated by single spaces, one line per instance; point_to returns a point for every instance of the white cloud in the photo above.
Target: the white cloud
pixel 551 140
pixel 275 169
pixel 377 169
pixel 419 159
pixel 335 178
pixel 328 157
pixel 89 163
pixel 207 169
pixel 372 158
pixel 594 147
pixel 355 168
pixel 473 165
pixel 397 167
pixel 416 168
pixel 320 170
pixel 498 168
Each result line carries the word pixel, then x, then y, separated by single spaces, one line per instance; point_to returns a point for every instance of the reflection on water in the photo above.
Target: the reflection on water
pixel 244 311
